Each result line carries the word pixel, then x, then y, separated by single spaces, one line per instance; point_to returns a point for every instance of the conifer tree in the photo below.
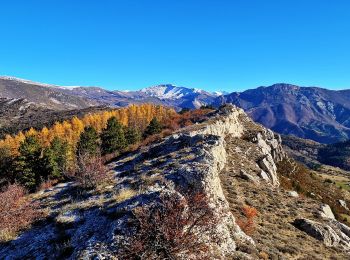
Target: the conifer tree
pixel 89 142
pixel 29 164
pixel 112 137
pixel 154 127
pixel 56 158
pixel 6 166
pixel 132 135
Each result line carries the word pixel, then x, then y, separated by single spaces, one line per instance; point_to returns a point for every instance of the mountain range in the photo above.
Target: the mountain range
pixel 314 113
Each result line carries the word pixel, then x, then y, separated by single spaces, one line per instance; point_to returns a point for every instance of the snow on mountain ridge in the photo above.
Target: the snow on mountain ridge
pixel 169 91
pixel 26 81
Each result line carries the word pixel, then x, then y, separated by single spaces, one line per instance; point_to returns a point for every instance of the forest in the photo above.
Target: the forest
pixel 78 148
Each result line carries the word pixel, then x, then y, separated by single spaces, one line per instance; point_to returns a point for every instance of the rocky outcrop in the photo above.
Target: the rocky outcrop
pixel 226 121
pixel 231 120
pixel 332 233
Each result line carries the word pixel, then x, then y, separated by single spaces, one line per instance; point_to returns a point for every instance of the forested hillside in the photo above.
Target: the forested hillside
pixel 33 156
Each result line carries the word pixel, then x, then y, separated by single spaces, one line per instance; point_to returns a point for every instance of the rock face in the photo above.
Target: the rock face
pixel 232 121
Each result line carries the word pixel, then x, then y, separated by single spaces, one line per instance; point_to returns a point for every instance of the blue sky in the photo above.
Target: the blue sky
pixel 214 45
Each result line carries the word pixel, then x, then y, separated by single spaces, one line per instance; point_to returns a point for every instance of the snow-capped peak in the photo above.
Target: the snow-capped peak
pixel 220 93
pixel 169 91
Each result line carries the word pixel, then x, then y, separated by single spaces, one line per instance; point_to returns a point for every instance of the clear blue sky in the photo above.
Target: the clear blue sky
pixel 215 45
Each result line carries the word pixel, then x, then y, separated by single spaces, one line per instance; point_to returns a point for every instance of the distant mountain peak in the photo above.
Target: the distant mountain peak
pixel 168 91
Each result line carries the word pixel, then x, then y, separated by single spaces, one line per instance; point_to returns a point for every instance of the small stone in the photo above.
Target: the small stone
pixel 343 204
pixel 246 176
pixel 293 194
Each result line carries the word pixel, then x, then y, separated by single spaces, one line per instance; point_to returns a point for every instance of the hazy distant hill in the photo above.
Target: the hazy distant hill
pixel 309 112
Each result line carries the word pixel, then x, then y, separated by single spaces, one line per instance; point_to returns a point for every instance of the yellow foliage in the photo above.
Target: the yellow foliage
pixel 137 116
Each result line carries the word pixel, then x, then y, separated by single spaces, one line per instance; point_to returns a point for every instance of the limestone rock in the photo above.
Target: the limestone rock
pixel 319 231
pixel 326 212
pixel 332 233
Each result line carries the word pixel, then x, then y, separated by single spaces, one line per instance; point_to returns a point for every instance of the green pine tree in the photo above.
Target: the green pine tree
pixel 112 137
pixel 154 127
pixel 89 142
pixel 6 166
pixel 132 135
pixel 29 164
pixel 56 157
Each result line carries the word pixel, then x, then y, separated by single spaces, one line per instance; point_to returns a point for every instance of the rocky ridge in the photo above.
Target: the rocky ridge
pixel 229 158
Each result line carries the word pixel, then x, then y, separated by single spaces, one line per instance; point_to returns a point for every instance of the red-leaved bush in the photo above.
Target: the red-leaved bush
pixel 247 224
pixel 16 211
pixel 170 228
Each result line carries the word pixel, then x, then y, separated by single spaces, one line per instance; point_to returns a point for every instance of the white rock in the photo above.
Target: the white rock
pixel 326 211
pixel 293 194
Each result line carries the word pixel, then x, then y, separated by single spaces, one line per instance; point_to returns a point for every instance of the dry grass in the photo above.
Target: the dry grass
pixel 124 195
pixel 312 185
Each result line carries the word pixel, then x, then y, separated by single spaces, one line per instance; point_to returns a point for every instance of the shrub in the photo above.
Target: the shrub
pixel 90 171
pixel 171 228
pixel 247 224
pixel 17 212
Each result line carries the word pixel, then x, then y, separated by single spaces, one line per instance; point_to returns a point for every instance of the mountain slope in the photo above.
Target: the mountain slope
pixel 47 96
pixel 19 114
pixel 314 113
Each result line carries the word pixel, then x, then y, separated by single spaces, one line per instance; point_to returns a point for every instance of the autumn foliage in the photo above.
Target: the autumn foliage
pixel 36 156
pixel 136 116
pixel 172 228
pixel 17 211
pixel 247 223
